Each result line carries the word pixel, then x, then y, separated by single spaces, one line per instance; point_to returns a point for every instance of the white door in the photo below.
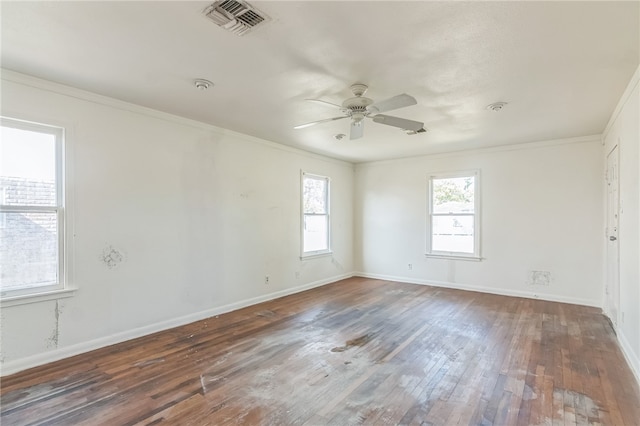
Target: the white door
pixel 613 263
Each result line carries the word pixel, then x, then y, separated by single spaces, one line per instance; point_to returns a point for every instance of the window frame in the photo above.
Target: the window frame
pixel 3 195
pixel 59 288
pixel 323 252
pixel 430 252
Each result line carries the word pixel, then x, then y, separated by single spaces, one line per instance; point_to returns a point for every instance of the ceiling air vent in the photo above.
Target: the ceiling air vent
pixel 236 16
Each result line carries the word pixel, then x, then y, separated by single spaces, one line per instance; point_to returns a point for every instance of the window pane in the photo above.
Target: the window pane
pixel 316 233
pixel 453 234
pixel 314 194
pixel 453 195
pixel 27 168
pixel 28 249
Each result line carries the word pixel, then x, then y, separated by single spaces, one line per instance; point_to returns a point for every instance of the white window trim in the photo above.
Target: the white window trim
pixel 317 253
pixel 41 296
pixel 3 195
pixel 59 289
pixel 436 254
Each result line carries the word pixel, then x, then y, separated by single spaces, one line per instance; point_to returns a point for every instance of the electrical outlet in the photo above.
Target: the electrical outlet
pixel 410 267
pixel 266 279
pixel 297 274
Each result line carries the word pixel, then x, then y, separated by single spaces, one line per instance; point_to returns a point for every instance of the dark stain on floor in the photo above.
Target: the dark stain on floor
pixel 266 313
pixel 359 341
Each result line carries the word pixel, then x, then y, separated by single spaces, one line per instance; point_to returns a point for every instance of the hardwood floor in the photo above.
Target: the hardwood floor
pixel 357 351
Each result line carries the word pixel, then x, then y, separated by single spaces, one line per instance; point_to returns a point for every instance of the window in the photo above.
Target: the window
pixel 454 215
pixel 31 209
pixel 315 215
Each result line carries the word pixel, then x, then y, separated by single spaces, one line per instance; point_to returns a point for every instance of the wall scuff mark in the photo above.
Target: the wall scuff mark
pixel 337 264
pixel 539 278
pixel 52 342
pixel 111 257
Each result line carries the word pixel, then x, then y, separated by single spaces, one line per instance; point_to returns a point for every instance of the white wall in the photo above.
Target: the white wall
pixel 541 210
pixel 203 214
pixel 624 130
pixel 200 214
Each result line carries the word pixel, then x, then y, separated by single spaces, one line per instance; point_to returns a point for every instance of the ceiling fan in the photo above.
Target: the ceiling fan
pixel 358 108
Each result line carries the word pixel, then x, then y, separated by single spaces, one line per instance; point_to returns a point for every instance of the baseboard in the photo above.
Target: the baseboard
pixel 632 358
pixel 484 289
pixel 18 365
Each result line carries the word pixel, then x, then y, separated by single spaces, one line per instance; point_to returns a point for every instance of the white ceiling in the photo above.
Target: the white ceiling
pixel 561 66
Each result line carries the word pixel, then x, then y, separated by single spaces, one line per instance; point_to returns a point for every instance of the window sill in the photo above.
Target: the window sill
pixel 316 254
pixel 453 257
pixel 24 299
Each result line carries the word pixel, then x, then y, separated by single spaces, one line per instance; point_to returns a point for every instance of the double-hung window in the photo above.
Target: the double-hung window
pixel 31 209
pixel 454 215
pixel 315 215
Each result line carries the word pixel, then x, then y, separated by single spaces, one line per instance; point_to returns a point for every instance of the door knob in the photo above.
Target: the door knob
pixel 612 238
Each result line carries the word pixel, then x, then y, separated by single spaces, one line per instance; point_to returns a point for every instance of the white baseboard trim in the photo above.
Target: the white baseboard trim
pixel 15 366
pixel 484 289
pixel 632 358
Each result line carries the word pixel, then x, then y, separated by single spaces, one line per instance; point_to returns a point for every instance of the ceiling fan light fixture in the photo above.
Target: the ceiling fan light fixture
pixel 357 118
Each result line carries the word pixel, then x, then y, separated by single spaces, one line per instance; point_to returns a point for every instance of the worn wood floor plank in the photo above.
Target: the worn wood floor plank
pixel 359 351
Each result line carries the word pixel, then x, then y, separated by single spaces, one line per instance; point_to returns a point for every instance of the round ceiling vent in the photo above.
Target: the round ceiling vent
pixel 202 84
pixel 496 106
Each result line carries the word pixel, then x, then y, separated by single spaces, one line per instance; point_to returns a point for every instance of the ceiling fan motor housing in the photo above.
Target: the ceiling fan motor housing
pixel 357 105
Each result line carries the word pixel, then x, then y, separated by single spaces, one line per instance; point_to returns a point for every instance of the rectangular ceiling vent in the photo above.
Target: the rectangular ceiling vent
pixel 236 16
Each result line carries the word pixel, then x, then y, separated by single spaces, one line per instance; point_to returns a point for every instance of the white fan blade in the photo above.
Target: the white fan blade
pixel 313 123
pixel 399 101
pixel 319 101
pixel 402 123
pixel 356 130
